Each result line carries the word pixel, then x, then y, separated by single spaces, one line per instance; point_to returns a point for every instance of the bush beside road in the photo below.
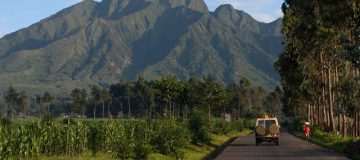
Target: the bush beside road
pixel 345 146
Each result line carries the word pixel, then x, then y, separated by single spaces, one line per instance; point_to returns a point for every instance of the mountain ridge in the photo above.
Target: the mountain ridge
pixel 102 42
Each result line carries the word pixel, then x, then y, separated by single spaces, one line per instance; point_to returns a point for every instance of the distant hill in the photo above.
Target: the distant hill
pixel 103 42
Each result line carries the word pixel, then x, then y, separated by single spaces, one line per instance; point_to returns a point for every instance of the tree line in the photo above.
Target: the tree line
pixel 319 67
pixel 164 97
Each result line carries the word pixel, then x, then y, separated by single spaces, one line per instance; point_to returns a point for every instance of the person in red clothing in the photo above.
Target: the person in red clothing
pixel 307 130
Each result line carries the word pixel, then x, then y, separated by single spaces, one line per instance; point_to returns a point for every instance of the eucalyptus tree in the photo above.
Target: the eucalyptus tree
pixel 79 100
pixel 24 102
pixel 168 89
pixel 311 60
pixel 47 99
pixel 128 95
pixel 105 99
pixel 212 96
pixel 11 99
pixel 95 92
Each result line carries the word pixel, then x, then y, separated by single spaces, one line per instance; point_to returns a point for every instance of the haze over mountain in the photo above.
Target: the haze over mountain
pixel 103 42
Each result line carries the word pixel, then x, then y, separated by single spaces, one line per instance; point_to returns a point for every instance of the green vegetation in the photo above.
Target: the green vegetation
pixel 118 139
pixel 166 97
pixel 337 143
pixel 318 67
pixel 319 71
pixel 174 119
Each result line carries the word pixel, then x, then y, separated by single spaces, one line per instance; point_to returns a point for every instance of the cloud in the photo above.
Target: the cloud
pixel 261 10
pixel 264 17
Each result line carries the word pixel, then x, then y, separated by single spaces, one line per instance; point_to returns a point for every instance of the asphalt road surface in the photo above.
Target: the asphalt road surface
pixel 290 148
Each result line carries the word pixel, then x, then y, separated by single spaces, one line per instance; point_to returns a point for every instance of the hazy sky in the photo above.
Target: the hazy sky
pixel 17 14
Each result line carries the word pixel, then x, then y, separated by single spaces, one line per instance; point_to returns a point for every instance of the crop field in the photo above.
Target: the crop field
pixel 118 139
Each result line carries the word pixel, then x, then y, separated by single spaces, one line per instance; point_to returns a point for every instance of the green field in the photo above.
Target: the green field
pixel 114 139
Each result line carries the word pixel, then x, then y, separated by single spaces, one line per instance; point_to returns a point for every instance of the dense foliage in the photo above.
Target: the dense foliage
pixel 124 139
pixel 319 66
pixel 165 97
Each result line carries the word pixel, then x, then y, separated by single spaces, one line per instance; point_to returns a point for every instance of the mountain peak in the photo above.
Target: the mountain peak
pixel 226 13
pixel 225 7
pixel 197 5
pixel 118 8
pixel 101 42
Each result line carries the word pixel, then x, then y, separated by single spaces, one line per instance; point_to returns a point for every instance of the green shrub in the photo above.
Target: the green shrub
pixel 199 127
pixel 5 121
pixel 124 142
pixel 249 123
pixel 237 125
pixel 142 140
pixel 295 124
pixel 220 126
pixel 168 137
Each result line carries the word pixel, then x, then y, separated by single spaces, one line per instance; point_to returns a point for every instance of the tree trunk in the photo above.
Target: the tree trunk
pixel 209 111
pixel 325 122
pixel 319 111
pixel 129 113
pixel 83 113
pixel 344 125
pixel 48 108
pixel 313 115
pixel 24 111
pixel 340 124
pixel 170 109
pixel 94 111
pixel 357 125
pixel 103 109
pixel 239 107
pixel 108 111
pixel 308 113
pixel 40 110
pixel 330 101
pixel 353 132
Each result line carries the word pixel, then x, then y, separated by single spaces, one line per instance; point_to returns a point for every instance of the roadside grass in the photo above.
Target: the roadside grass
pixel 198 152
pixel 327 140
pixel 84 156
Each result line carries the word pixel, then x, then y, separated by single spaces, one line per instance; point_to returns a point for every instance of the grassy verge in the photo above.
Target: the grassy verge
pixel 192 152
pixel 329 141
pixel 197 152
pixel 85 156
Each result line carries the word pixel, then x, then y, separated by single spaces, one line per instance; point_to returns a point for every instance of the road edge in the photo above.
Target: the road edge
pixel 212 155
pixel 321 146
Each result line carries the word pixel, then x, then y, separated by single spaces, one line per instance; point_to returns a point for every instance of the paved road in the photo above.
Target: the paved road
pixel 290 148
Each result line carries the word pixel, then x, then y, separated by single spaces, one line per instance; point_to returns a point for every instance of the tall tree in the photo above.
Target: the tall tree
pixel 311 62
pixel 105 99
pixel 46 100
pixel 79 100
pixel 128 94
pixel 11 98
pixel 24 102
pixel 96 98
pixel 212 96
pixel 168 89
pixel 39 103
